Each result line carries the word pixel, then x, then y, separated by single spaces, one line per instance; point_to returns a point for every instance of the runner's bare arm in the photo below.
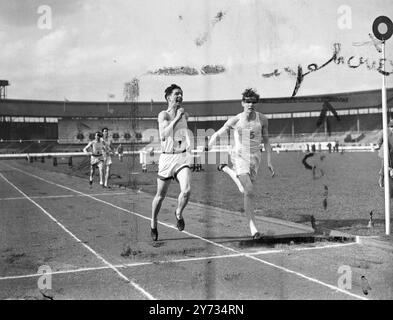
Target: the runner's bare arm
pixel 87 147
pixel 266 142
pixel 105 144
pixel 227 125
pixel 187 133
pixel 165 125
pixel 110 148
pixel 188 140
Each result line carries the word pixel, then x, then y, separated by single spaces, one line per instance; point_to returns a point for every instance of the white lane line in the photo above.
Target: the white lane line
pixel 122 266
pixel 136 286
pixel 33 275
pixel 138 264
pixel 67 196
pixel 308 278
pixel 203 239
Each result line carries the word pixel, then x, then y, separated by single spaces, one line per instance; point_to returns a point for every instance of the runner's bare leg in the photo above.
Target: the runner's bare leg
pixel 107 173
pixel 249 201
pixel 162 188
pixel 184 178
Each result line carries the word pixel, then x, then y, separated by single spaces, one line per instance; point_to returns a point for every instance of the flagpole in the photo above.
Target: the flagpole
pixel 385 146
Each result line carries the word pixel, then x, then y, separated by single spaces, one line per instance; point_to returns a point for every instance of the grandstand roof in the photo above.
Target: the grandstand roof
pixel 72 109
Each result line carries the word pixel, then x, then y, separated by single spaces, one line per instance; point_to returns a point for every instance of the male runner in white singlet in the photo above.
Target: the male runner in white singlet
pixel 175 159
pixel 97 150
pixel 107 155
pixel 250 130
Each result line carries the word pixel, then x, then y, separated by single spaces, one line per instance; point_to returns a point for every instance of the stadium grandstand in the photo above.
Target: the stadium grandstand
pixel 60 126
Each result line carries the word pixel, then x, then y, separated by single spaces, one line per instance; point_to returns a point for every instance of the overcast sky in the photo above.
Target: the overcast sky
pixel 94 46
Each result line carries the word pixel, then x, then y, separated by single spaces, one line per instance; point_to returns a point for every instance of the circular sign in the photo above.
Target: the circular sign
pixel 382 28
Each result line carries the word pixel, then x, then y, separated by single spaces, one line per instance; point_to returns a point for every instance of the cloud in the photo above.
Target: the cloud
pixel 50 43
pixel 12 49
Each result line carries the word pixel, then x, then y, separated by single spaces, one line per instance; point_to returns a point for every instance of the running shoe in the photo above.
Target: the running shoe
pixel 180 223
pixel 257 236
pixel 221 166
pixel 154 233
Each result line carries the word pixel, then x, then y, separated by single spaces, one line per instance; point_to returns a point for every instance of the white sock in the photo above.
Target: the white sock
pixel 239 185
pixel 253 228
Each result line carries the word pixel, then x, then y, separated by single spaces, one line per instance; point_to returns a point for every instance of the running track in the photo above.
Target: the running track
pixel 97 244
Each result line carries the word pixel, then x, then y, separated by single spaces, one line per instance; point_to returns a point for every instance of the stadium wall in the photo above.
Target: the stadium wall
pixel 67 130
pixel 82 131
pixel 28 131
pixel 62 109
pixel 360 111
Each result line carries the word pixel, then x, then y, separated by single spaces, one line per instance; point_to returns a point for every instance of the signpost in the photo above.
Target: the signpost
pixel 383 30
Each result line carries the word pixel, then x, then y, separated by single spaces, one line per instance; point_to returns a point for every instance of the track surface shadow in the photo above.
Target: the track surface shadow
pixel 291 239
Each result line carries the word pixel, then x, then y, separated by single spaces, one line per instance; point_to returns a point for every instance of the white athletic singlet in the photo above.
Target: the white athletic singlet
pixel 98 148
pixel 176 141
pixel 246 154
pixel 248 135
pixel 173 157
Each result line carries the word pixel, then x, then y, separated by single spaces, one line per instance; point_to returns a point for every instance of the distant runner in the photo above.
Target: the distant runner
pixel 96 149
pixel 107 155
